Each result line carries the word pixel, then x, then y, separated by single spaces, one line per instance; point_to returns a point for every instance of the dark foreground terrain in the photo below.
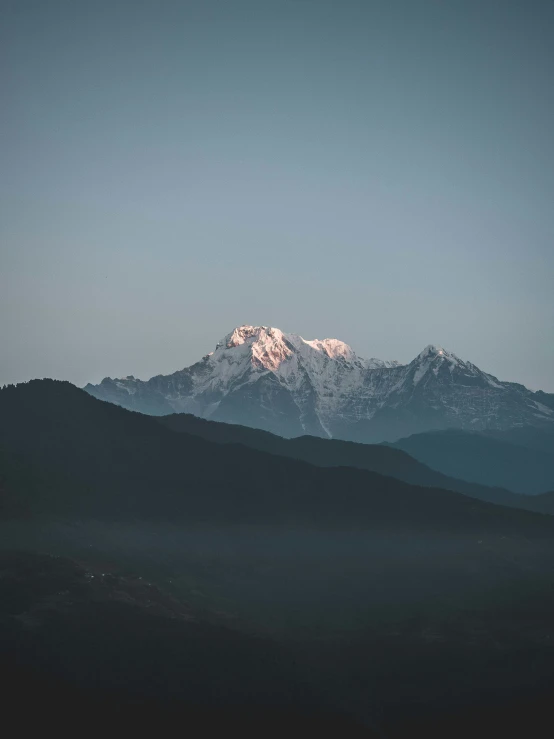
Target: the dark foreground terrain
pixel 275 631
pixel 114 651
pixel 156 580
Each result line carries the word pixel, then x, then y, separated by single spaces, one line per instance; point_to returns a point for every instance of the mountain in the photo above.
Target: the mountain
pixel 485 459
pixel 384 459
pixel 261 377
pixel 64 453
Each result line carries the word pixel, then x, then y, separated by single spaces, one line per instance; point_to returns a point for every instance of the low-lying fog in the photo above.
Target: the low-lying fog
pixel 288 579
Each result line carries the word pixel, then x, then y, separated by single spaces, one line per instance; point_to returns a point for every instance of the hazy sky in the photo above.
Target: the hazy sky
pixel 377 171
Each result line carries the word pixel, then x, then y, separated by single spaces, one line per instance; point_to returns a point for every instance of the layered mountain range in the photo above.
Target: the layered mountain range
pixel 261 377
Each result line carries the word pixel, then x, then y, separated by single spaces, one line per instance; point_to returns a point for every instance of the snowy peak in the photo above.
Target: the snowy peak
pixel 432 352
pixel 333 348
pixel 260 376
pixel 269 347
pixel 307 368
pixel 250 334
pixel 265 347
pixel 268 335
pixel 438 361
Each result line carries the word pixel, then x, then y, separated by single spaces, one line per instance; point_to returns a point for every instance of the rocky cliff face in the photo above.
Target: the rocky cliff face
pixel 259 376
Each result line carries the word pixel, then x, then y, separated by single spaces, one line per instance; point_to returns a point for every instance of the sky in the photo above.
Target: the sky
pixel 378 171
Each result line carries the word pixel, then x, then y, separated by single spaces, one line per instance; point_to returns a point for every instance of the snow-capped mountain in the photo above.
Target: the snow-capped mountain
pixel 259 376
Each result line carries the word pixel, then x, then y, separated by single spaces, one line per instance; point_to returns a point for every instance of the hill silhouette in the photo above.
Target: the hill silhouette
pixel 532 437
pixel 521 460
pixel 384 459
pixel 66 453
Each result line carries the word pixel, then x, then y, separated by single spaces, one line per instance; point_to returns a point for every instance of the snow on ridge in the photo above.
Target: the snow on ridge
pixel 433 357
pixel 432 351
pixel 328 367
pixel 268 336
pixel 326 380
pixel 332 348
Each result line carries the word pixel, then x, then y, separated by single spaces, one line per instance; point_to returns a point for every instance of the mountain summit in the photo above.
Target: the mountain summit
pixel 269 347
pixel 260 376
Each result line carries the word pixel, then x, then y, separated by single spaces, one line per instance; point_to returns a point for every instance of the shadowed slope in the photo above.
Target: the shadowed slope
pixel 488 460
pixel 384 459
pixel 66 453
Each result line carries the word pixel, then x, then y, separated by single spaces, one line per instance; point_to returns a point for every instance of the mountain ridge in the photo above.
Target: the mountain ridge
pixel 259 376
pixel 491 460
pixel 81 457
pixel 385 459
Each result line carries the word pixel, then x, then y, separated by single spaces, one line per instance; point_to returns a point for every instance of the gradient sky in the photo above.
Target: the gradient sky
pixel 380 172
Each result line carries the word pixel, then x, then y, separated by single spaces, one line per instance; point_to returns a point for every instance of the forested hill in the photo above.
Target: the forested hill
pixel 65 453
